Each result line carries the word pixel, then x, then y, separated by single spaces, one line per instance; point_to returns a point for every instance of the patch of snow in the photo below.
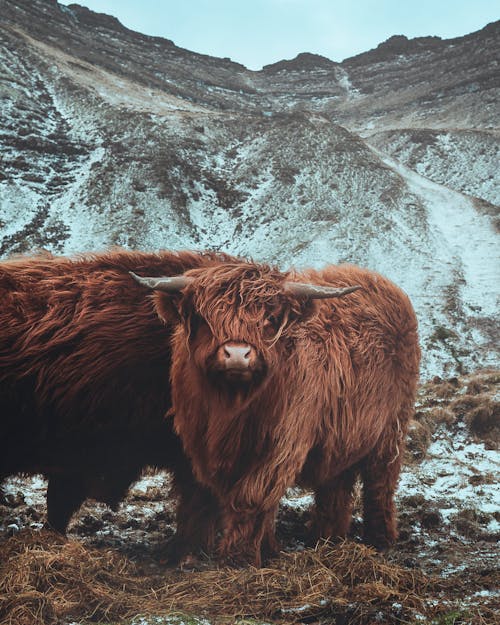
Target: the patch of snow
pixel 175 619
pixel 345 82
pixel 445 476
pixel 461 234
pixel 67 207
pixel 493 526
pixel 155 480
pixel 297 499
pixel 301 608
pixel 487 593
pixel 33 488
pixel 18 205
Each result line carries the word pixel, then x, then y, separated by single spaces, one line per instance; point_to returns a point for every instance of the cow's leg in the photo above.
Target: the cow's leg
pixel 249 509
pixel 380 473
pixel 246 534
pixel 111 486
pixel 332 513
pixel 197 523
pixel 270 544
pixel 197 514
pixel 65 494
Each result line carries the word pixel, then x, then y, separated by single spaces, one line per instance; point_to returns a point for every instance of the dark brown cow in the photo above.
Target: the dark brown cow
pixel 84 365
pixel 276 383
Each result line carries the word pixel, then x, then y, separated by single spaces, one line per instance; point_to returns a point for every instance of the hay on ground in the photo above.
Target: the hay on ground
pixel 46 579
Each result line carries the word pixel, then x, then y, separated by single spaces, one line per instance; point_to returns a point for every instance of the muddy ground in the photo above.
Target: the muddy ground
pixel 448 501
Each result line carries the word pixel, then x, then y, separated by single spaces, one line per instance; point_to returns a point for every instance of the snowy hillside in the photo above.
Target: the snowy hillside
pixel 388 160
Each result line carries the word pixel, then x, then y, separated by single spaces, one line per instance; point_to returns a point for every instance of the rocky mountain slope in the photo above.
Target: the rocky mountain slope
pixel 388 159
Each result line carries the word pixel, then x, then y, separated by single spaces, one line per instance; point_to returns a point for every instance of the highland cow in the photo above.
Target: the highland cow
pixel 290 378
pixel 84 380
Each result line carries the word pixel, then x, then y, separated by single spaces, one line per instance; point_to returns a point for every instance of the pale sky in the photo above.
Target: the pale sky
pixel 260 32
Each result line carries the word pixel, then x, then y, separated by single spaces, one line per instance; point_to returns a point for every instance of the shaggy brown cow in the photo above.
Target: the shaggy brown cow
pixel 275 383
pixel 84 364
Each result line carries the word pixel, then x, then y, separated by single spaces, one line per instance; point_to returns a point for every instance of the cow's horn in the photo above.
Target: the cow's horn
pixel 168 284
pixel 316 291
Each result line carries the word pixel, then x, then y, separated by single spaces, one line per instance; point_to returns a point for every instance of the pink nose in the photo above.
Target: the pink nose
pixel 236 355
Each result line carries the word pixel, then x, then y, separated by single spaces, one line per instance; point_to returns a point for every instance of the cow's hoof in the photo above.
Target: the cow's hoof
pixel 191 563
pixel 239 560
pixel 57 529
pixel 379 543
pixel 174 552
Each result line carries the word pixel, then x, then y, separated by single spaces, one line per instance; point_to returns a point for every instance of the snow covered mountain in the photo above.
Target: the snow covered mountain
pixel 388 159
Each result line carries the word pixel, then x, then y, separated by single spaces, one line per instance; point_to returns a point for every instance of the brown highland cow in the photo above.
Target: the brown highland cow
pixel 84 388
pixel 274 383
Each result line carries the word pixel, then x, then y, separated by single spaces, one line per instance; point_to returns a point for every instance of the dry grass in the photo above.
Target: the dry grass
pixel 419 439
pixel 445 390
pixel 46 579
pixel 471 400
pixel 484 419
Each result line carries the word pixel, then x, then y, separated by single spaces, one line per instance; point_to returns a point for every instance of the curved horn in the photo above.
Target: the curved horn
pixel 316 291
pixel 172 284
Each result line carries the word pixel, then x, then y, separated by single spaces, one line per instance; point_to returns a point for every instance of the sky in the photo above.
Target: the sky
pixel 260 32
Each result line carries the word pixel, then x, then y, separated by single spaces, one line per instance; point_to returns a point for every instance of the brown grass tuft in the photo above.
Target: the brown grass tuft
pixel 419 439
pixel 27 608
pixel 441 416
pixel 481 414
pixel 46 579
pixel 484 418
pixel 422 428
pixel 475 387
pixel 488 378
pixel 445 390
pixel 462 404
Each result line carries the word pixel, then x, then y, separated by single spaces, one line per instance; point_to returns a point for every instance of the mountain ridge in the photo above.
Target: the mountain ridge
pixel 394 44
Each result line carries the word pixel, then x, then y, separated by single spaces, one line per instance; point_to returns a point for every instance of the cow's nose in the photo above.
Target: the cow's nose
pixel 236 355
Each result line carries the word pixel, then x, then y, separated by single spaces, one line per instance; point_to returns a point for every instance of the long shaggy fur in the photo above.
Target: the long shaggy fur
pixel 84 388
pixel 333 400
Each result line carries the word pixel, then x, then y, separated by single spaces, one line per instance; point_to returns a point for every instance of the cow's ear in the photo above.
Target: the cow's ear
pixel 304 309
pixel 168 307
pixel 309 310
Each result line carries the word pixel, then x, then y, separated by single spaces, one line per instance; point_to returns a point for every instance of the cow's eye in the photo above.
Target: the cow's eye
pixel 195 323
pixel 272 322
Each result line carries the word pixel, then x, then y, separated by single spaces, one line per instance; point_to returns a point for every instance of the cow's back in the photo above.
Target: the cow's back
pixel 367 372
pixel 83 354
pixel 377 323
